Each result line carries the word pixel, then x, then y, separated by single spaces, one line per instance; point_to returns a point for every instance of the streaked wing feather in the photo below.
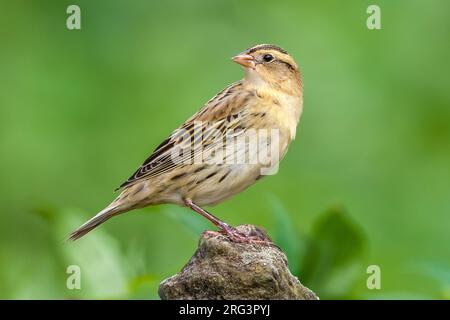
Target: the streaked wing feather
pixel 222 114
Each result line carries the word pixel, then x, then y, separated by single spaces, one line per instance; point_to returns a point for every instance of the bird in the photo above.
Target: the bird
pixel 200 164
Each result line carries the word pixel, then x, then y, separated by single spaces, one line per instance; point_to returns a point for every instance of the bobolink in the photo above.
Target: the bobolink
pixel 204 161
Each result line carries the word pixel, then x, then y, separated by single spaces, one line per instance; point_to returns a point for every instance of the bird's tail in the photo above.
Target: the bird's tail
pixel 113 209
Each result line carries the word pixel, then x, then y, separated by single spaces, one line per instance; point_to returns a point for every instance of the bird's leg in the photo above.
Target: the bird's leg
pixel 216 221
pixel 225 228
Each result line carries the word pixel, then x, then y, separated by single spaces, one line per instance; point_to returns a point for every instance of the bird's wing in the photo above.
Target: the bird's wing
pixel 202 132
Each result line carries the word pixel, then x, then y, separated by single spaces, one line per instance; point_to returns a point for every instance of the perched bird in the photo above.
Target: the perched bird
pixel 180 171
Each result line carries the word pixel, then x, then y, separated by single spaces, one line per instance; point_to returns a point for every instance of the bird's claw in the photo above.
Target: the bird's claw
pixel 238 237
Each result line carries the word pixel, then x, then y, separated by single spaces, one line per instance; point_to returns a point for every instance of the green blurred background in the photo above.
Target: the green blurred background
pixel 366 182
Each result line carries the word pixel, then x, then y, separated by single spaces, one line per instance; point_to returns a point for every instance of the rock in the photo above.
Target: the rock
pixel 221 269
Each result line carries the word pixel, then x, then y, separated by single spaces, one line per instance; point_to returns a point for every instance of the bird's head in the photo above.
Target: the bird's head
pixel 267 64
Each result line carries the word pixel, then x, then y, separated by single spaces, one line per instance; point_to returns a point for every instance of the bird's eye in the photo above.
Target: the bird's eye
pixel 268 57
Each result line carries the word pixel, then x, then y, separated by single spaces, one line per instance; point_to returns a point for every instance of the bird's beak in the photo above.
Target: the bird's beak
pixel 245 60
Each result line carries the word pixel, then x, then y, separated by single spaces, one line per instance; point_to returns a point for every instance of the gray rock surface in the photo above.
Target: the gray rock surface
pixel 221 269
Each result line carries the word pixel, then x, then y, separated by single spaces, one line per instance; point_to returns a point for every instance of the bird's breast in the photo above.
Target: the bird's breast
pixel 283 110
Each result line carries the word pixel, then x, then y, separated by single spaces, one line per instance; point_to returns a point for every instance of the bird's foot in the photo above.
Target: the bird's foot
pixel 238 237
pixel 209 234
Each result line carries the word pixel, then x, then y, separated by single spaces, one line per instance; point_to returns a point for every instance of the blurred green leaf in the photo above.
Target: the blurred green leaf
pixel 47 213
pixel 192 222
pixel 286 236
pixel 144 286
pixel 102 263
pixel 334 256
pixel 439 273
